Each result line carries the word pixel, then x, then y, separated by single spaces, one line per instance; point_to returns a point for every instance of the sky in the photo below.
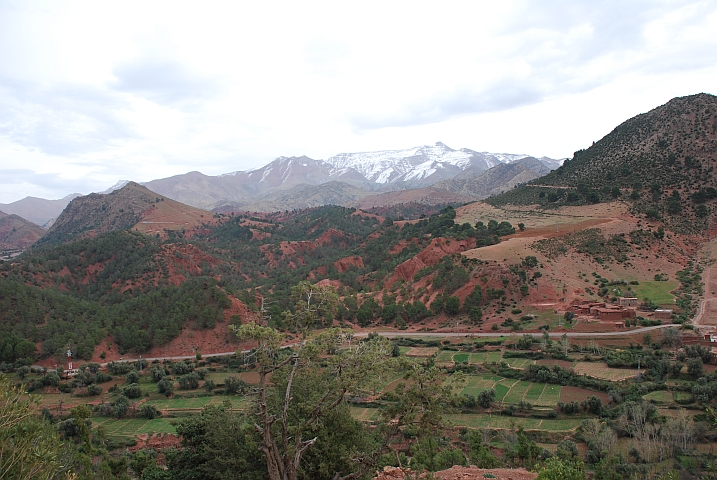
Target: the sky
pixel 96 92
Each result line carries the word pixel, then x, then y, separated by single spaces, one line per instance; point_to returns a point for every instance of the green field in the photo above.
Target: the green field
pixel 486 357
pixel 134 426
pixel 198 402
pixel 550 396
pixel 519 362
pixel 497 421
pixel 460 357
pixel 658 292
pixel 365 414
pixel 534 392
pixel 517 392
pixel 659 396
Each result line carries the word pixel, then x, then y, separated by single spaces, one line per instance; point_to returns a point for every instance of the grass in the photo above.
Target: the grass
pixel 460 357
pixel 518 362
pixel 517 392
pixel 658 292
pixel 602 371
pixel 550 396
pixel 130 427
pixel 660 396
pixel 444 357
pixel 534 392
pixel 198 402
pixel 486 357
pixel 365 414
pixel 496 421
pixel 478 383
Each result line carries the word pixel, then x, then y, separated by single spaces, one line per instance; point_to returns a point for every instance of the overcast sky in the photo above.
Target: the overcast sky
pixel 95 92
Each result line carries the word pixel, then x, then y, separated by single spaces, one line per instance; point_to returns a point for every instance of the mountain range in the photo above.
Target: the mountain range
pixel 344 179
pixel 362 174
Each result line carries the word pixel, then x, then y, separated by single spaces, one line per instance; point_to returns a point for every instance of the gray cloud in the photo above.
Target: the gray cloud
pixel 163 82
pixel 47 181
pixel 559 62
pixel 63 119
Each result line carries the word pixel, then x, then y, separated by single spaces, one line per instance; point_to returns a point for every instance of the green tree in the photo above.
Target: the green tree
pixel 557 469
pixel 30 448
pixel 310 383
pixel 216 443
pixel 453 305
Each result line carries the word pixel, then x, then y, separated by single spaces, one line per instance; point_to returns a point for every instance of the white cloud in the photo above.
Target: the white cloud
pixel 93 92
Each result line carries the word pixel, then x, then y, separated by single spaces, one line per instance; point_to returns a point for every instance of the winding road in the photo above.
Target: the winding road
pixel 394 334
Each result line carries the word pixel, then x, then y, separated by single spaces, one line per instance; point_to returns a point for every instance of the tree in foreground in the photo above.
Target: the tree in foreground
pixel 30 448
pixel 557 469
pixel 309 385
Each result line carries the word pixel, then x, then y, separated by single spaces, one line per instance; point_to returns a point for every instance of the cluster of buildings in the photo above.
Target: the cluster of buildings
pixel 626 308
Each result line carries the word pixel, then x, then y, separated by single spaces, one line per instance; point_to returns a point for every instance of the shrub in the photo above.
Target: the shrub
pixel 132 391
pixel 165 386
pixel 150 411
pixel 189 382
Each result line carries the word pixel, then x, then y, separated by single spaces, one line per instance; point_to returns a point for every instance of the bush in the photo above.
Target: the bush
pixel 150 411
pixel 132 391
pixel 234 385
pixel 165 386
pixel 133 377
pixel 94 390
pixel 189 382
pixel 157 374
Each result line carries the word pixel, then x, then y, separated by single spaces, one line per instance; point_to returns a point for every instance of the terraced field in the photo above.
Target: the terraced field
pixel 602 371
pixel 446 357
pixel 191 403
pixel 134 426
pixel 511 391
pixel 497 421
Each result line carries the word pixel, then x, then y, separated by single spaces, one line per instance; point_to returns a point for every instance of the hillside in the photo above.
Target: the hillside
pixel 662 162
pixel 131 206
pixel 496 180
pixel 16 233
pixel 38 210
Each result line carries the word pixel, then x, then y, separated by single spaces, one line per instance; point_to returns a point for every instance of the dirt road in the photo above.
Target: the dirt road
pixel 707 309
pixel 438 335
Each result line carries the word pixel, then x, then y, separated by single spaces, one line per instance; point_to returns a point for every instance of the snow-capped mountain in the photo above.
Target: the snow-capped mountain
pixel 371 171
pixel 429 163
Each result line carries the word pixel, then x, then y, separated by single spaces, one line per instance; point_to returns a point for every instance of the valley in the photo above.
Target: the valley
pixel 565 314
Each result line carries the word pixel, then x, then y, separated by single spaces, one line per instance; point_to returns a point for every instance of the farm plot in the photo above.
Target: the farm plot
pixel 486 357
pixel 519 362
pixel 134 426
pixel 444 357
pixel 503 387
pixel 576 394
pixel 478 383
pixel 659 396
pixel 189 403
pixel 420 352
pixel 602 371
pixel 515 395
pixel 365 414
pixel 487 421
pixel 550 396
pixel 534 392
pixel 460 357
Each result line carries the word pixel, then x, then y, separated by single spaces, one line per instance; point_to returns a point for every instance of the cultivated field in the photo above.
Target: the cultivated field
pixel 602 371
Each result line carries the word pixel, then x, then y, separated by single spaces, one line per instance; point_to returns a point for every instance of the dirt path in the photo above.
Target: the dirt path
pixel 707 309
pixel 431 335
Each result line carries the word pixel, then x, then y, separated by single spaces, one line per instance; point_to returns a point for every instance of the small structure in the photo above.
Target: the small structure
pixel 711 337
pixel 663 314
pixel 619 324
pixel 628 302
pixel 609 314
